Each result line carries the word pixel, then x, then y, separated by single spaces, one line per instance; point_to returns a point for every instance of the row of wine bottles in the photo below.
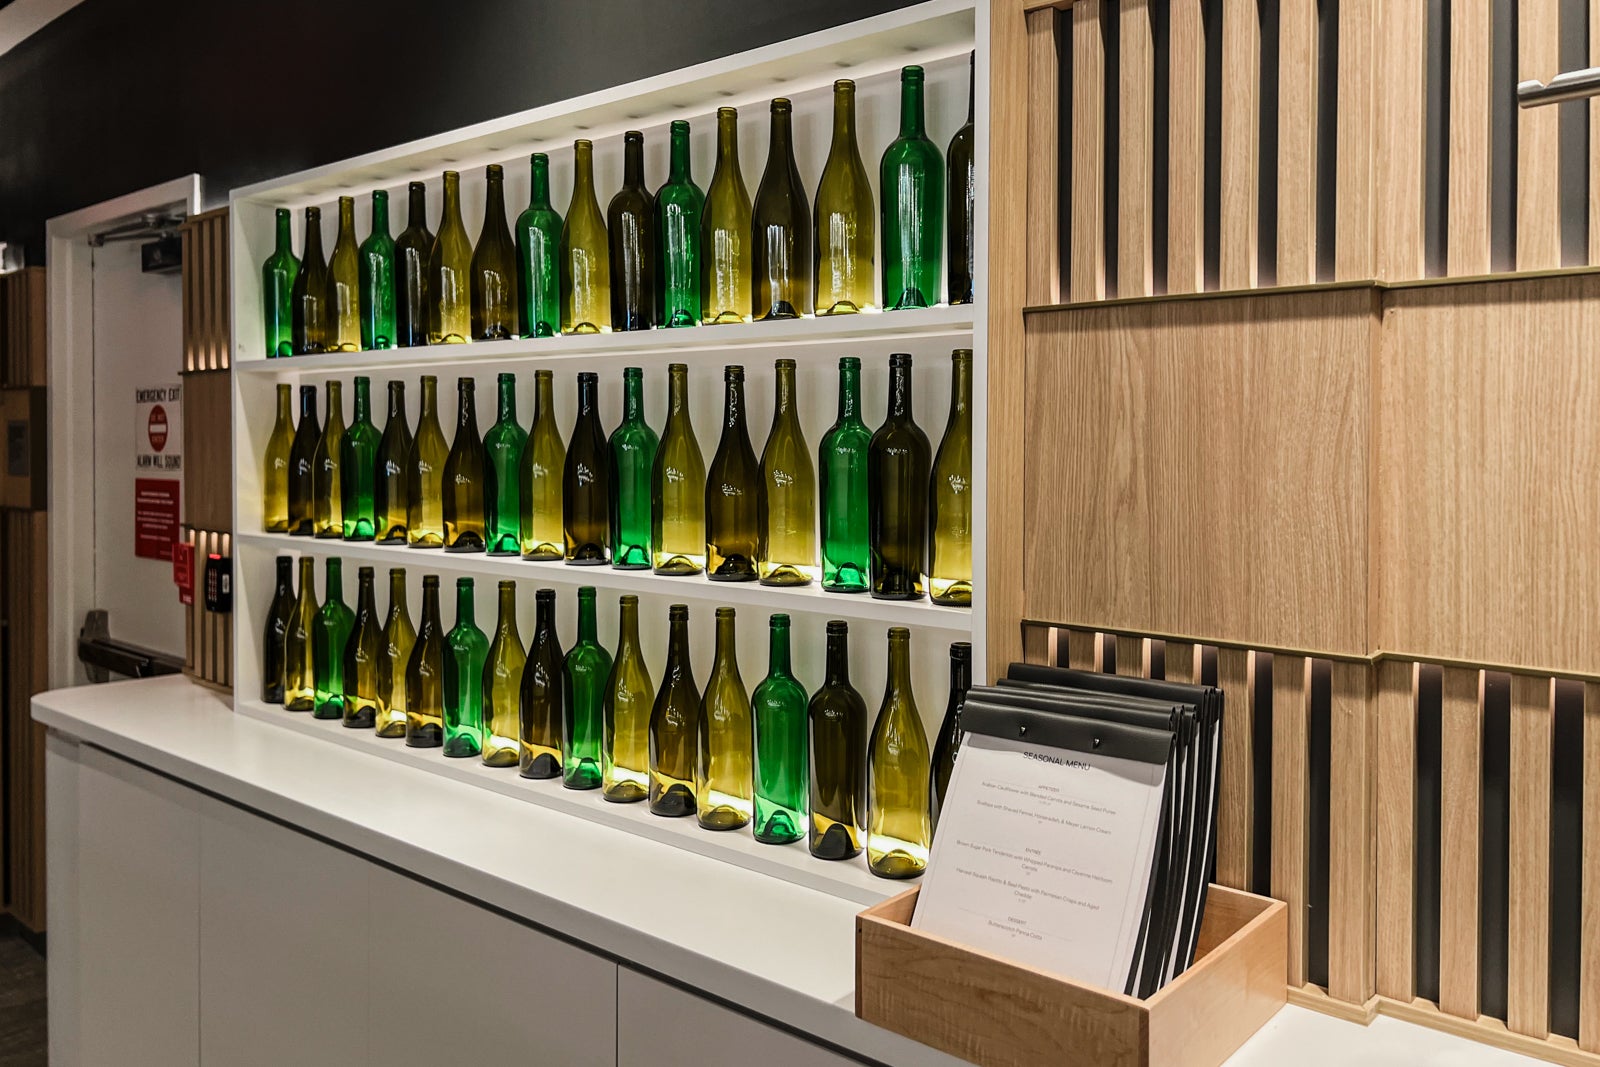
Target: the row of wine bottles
pixel 796 767
pixel 679 257
pixel 895 517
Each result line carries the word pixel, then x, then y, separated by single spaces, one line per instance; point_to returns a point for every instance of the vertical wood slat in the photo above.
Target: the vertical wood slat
pixel 1589 927
pixel 220 342
pixel 1355 240
pixel 1396 818
pixel 1538 139
pixel 1136 152
pixel 1044 155
pixel 1236 797
pixel 1402 124
pixel 1035 643
pixel 1130 656
pixel 1290 772
pixel 1178 658
pixel 1186 134
pixel 1460 775
pixel 1081 650
pixel 1241 127
pixel 203 308
pixel 1352 847
pixel 1468 194
pixel 1593 115
pixel 1297 143
pixel 1087 277
pixel 187 283
pixel 1528 936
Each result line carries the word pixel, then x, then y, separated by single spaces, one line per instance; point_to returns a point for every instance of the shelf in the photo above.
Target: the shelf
pixel 695 588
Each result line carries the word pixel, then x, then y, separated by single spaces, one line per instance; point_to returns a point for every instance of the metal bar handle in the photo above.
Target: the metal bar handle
pixel 1573 85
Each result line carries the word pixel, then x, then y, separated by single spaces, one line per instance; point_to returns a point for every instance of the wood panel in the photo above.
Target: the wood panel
pixel 1351 839
pixel 1298 55
pixel 1081 649
pixel 1354 214
pixel 1396 787
pixel 1236 800
pixel 1291 718
pixel 205 292
pixel 1186 139
pixel 1538 139
pixel 1589 927
pixel 1136 151
pixel 1130 656
pixel 1086 279
pixel 1178 660
pixel 1468 194
pixel 207 459
pixel 1528 940
pixel 1036 641
pixel 208 643
pixel 24 552
pixel 1461 726
pixel 1592 114
pixel 1241 138
pixel 1044 156
pixel 23 352
pixel 1401 123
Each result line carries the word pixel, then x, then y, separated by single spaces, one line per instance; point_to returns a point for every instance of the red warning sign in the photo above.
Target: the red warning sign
pixel 156 428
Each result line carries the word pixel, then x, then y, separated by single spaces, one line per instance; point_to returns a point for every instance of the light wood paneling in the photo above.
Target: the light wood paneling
pixel 1186 139
pixel 1589 954
pixel 1080 648
pixel 1130 656
pixel 1036 640
pixel 1354 215
pixel 205 291
pixel 1290 799
pixel 1528 962
pixel 1593 116
pixel 1461 768
pixel 1351 839
pixel 24 551
pixel 1178 657
pixel 1087 276
pixel 1136 151
pixel 1402 49
pixel 1241 139
pixel 1044 155
pixel 22 328
pixel 1297 143
pixel 1237 799
pixel 1468 195
pixel 207 461
pixel 1538 139
pixel 1396 786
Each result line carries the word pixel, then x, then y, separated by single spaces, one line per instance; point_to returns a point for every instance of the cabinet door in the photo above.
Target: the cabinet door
pixel 659 1025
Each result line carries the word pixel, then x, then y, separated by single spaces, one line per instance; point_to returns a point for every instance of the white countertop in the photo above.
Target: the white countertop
pixel 699 921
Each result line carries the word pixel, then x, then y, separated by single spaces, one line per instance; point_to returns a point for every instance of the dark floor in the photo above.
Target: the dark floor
pixel 22 1005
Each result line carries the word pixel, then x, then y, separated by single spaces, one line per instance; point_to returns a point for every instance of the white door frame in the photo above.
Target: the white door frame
pixel 69 265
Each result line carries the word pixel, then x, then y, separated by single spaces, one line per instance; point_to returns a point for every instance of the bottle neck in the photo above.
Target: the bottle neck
pixel 508 610
pixel 785 390
pixel 778 147
pixel 587 631
pixel 543 397
pixel 844 115
pixel 466 407
pixel 678 641
pixel 583 170
pixel 347 217
pixel 334 583
pixel 900 664
pixel 960 389
pixel 335 403
pixel 628 625
pixel 900 392
pixel 397 593
pixel 633 398
pixel 972 85
pixel 544 615
pixel 727 651
pixel 313 249
pixel 430 606
pixel 308 405
pixel 495 196
pixel 417 206
pixel 677 394
pixel 380 213
pixel 365 601
pixel 363 400
pixel 633 162
pixel 452 200
pixel 284 407
pixel 397 400
pixel 285 241
pixel 960 676
pixel 586 398
pixel 911 107
pixel 837 671
pixel 850 392
pixel 779 656
pixel 508 400
pixel 430 399
pixel 733 407
pixel 308 578
pixel 727 141
pixel 540 180
pixel 285 573
pixel 464 607
pixel 680 169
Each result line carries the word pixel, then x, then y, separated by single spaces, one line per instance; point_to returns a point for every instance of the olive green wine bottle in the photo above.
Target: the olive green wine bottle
pixel 625 714
pixel 899 824
pixel 948 743
pixel 788 504
pixel 502 447
pixel 362 651
pixel 722 781
pixel 412 250
pixel 778 715
pixel 586 481
pixel 726 268
pixel 543 466
pixel 273 664
pixel 299 656
pixel 674 724
pixel 495 307
pixel 631 226
pixel 302 466
pixel 679 205
pixel 467 478
pixel 329 633
pixel 464 654
pixel 897 494
pixel 838 758
pixel 327 485
pixel 277 290
pixel 358 465
pixel 275 466
pixel 585 253
pixel 502 684
pixel 539 256
pixel 344 275
pixel 678 486
pixel 633 447
pixel 733 495
pixel 588 666
pixel 846 242
pixel 911 183
pixel 449 272
pixel 389 473
pixel 950 494
pixel 542 707
pixel 780 228
pixel 311 315
pixel 962 184
pixel 425 473
pixel 425 674
pixel 393 656
pixel 842 463
pixel 377 278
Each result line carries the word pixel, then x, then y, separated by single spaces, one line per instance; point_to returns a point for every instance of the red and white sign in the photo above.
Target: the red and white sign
pixel 158 429
pixel 183 570
pixel 155 517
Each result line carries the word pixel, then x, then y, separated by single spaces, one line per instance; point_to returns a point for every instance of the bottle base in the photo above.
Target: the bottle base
pixel 584 776
pixel 778 830
pixel 897 865
pixel 391 539
pixel 333 709
pixel 543 765
pixel 465 543
pixel 429 541
pixel 897 595
pixel 299 705
pixel 506 757
pixel 835 844
pixel 624 793
pixel 361 720
pixel 587 562
pixel 721 819
pixel 678 567
pixel 461 746
pixel 392 729
pixel 426 737
pixel 543 556
pixel 676 802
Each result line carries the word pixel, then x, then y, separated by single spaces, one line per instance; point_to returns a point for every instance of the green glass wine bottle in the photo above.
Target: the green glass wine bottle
pixel 588 666
pixel 950 494
pixel 502 447
pixel 425 673
pixel 911 181
pixel 539 256
pixel 273 664
pixel 362 651
pixel 277 290
pixel 675 725
pixel 778 714
pixel 344 275
pixel 495 306
pixel 389 471
pixel 780 228
pixel 948 743
pixel 899 824
pixel 723 778
pixel 787 550
pixel 377 278
pixel 726 269
pixel 502 684
pixel 358 466
pixel 311 315
pixel 585 253
pixel 625 714
pixel 302 466
pixel 838 758
pixel 631 227
pixel 679 205
pixel 275 466
pixel 586 481
pixel 543 467
pixel 329 633
pixel 542 707
pixel 393 656
pixel 467 477
pixel 962 186
pixel 328 487
pixel 897 494
pixel 425 473
pixel 411 252
pixel 465 651
pixel 846 238
pixel 678 486
pixel 299 644
pixel 449 271
pixel 733 517
pixel 842 462
pixel 633 447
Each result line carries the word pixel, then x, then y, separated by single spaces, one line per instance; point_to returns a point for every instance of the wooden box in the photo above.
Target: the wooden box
pixel 998 1014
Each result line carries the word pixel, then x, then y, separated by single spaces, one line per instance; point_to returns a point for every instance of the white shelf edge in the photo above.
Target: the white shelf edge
pixel 793 863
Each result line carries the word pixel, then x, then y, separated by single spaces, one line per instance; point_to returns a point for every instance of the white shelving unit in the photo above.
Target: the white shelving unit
pixel 937 35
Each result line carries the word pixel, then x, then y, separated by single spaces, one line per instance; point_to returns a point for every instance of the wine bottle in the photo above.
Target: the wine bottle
pixel 733 498
pixel 299 644
pixel 358 465
pixel 389 474
pixel 588 666
pixel 911 180
pixel 502 447
pixel 412 250
pixel 502 684
pixel 344 277
pixel 674 724
pixel 633 448
pixel 679 206
pixel 625 714
pixel 329 633
pixel 963 199
pixel 585 254
pixel 466 478
pixel 899 825
pixel 788 505
pixel 495 306
pixel 465 651
pixel 726 270
pixel 678 487
pixel 394 655
pixel 361 654
pixel 539 256
pixel 302 466
pixel 723 768
pixel 273 664
pixel 842 461
pixel 778 712
pixel 543 466
pixel 948 743
pixel 377 278
pixel 780 228
pixel 837 717
pixel 311 315
pixel 327 485
pixel 543 699
pixel 631 226
pixel 425 674
pixel 277 290
pixel 897 493
pixel 449 272
pixel 586 482
pixel 275 467
pixel 845 243
pixel 950 494
pixel 425 473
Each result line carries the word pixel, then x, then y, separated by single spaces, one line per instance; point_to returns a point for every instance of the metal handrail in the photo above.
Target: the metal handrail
pixel 1573 85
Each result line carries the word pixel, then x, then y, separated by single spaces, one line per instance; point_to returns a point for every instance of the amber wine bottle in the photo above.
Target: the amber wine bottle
pixel 377 278
pixel 502 684
pixel 911 184
pixel 465 649
pixel 299 658
pixel 412 250
pixel 780 237
pixel 389 474
pixel 425 674
pixel 449 269
pixel 538 256
pixel 394 655
pixel 425 473
pixel 733 498
pixel 586 481
pixel 842 461
pixel 678 487
pixel 897 494
pixel 327 486
pixel 311 315
pixel 633 448
pixel 950 494
pixel 585 253
pixel 275 467
pixel 679 205
pixel 899 825
pixel 845 237
pixel 273 676
pixel 277 290
pixel 358 464
pixel 329 634
pixel 726 267
pixel 543 697
pixel 674 725
pixel 466 477
pixel 631 226
pixel 948 743
pixel 543 466
pixel 723 778
pixel 502 447
pixel 961 182
pixel 344 277
pixel 495 307
pixel 625 714
pixel 362 652
pixel 838 758
pixel 587 667
pixel 788 506
pixel 778 716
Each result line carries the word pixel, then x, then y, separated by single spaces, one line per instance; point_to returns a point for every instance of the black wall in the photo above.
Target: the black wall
pixel 117 95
